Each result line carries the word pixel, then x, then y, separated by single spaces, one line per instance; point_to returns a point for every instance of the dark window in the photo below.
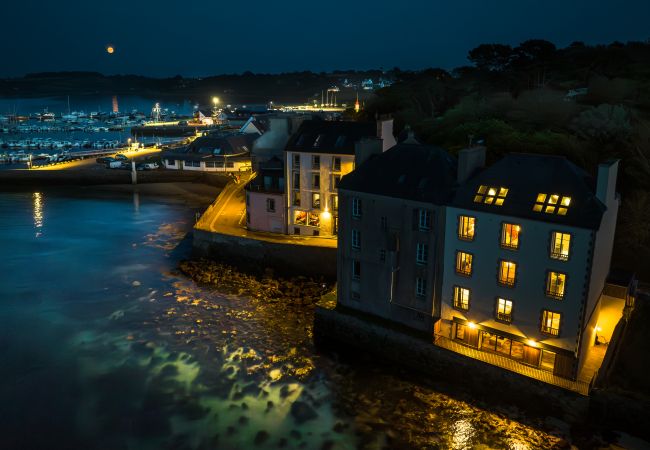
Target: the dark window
pixel 383 224
pixel 296 180
pixel 356 207
pixel 336 162
pixel 315 181
pixel 356 269
pixel 270 205
pixel 296 161
pixel 315 162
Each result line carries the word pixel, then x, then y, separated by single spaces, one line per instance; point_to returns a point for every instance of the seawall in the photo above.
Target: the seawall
pixel 346 331
pixel 256 255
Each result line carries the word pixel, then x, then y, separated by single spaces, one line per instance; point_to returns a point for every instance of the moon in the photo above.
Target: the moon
pixel 110 49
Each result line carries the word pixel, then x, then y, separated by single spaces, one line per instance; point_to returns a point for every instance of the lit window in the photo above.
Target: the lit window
pixel 356 207
pixel 552 204
pixel 560 245
pixel 507 273
pixel 313 219
pixel 356 239
pixel 504 310
pixel 464 263
pixel 510 235
pixel 551 322
pixel 555 285
pixel 315 200
pixel 490 195
pixel 420 287
pixel 421 253
pixel 300 218
pixel 356 269
pixel 424 219
pixel 335 203
pixel 466 228
pixel 461 298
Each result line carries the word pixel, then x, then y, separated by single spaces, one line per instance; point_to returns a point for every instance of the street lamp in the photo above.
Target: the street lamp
pixel 215 110
pixel 129 143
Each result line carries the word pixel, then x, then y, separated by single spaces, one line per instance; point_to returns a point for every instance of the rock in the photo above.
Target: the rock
pixel 302 412
pixel 261 437
pixel 136 283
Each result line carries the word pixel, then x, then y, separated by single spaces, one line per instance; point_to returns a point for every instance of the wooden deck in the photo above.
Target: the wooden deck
pixel 581 387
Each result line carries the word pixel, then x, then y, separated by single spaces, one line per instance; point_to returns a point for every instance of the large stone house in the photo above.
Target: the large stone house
pixel 512 259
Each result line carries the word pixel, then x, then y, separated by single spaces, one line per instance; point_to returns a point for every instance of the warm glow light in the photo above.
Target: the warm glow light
pixel 599 329
pixel 326 215
pixel 215 100
pixel 110 49
pixel 531 343
pixel 472 325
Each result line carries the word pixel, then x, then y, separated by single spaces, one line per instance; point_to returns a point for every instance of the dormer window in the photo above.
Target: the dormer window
pixel 491 195
pixel 552 204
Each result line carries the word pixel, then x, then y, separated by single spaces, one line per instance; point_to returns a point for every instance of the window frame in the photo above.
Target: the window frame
pixel 506 283
pixel 425 252
pixel 269 202
pixel 420 287
pixel 543 203
pixel 357 208
pixel 336 164
pixel 457 289
pixel 295 163
pixel 315 200
pixel 502 242
pixel 503 319
pixel 427 215
pixel 459 223
pixel 471 264
pixel 355 239
pixel 356 269
pixel 548 281
pixel 315 180
pixel 542 323
pixel 558 256
pixel 315 162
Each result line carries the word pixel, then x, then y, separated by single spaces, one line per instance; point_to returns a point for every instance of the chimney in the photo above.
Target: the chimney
pixel 365 148
pixel 385 132
pixel 606 181
pixel 470 160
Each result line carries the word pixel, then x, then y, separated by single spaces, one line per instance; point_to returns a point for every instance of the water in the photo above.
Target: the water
pixel 104 346
pixel 88 103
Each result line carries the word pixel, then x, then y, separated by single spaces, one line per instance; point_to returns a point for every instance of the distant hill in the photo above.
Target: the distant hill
pixel 237 88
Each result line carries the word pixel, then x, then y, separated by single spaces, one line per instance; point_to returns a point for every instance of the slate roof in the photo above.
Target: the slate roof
pixel 525 176
pixel 335 137
pixel 270 177
pixel 210 148
pixel 408 170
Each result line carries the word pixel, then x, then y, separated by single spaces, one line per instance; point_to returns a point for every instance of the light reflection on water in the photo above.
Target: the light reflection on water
pixel 143 358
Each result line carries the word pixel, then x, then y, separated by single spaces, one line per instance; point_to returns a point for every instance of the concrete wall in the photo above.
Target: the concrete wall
pixel 258 218
pixel 388 288
pixel 256 255
pixel 533 263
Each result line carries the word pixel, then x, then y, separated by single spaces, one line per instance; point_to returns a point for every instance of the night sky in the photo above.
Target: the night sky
pixel 202 37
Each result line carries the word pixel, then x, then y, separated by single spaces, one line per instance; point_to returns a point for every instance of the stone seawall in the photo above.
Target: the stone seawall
pixel 390 345
pixel 256 255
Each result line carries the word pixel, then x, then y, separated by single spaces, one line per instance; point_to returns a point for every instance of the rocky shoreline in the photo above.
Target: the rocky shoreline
pixel 297 290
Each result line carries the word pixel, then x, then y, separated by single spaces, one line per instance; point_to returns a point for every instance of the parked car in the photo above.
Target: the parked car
pixel 104 159
pixel 114 164
pixel 121 157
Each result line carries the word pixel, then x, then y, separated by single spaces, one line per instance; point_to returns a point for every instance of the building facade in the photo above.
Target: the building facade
pixel 229 153
pixel 392 221
pixel 265 199
pixel 512 260
pixel 317 156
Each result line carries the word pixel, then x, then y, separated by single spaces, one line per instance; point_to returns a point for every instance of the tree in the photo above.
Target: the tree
pixel 605 123
pixel 534 50
pixel 492 57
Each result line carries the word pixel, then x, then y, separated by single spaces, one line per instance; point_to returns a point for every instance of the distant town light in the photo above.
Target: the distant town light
pixel 110 49
pixel 215 100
